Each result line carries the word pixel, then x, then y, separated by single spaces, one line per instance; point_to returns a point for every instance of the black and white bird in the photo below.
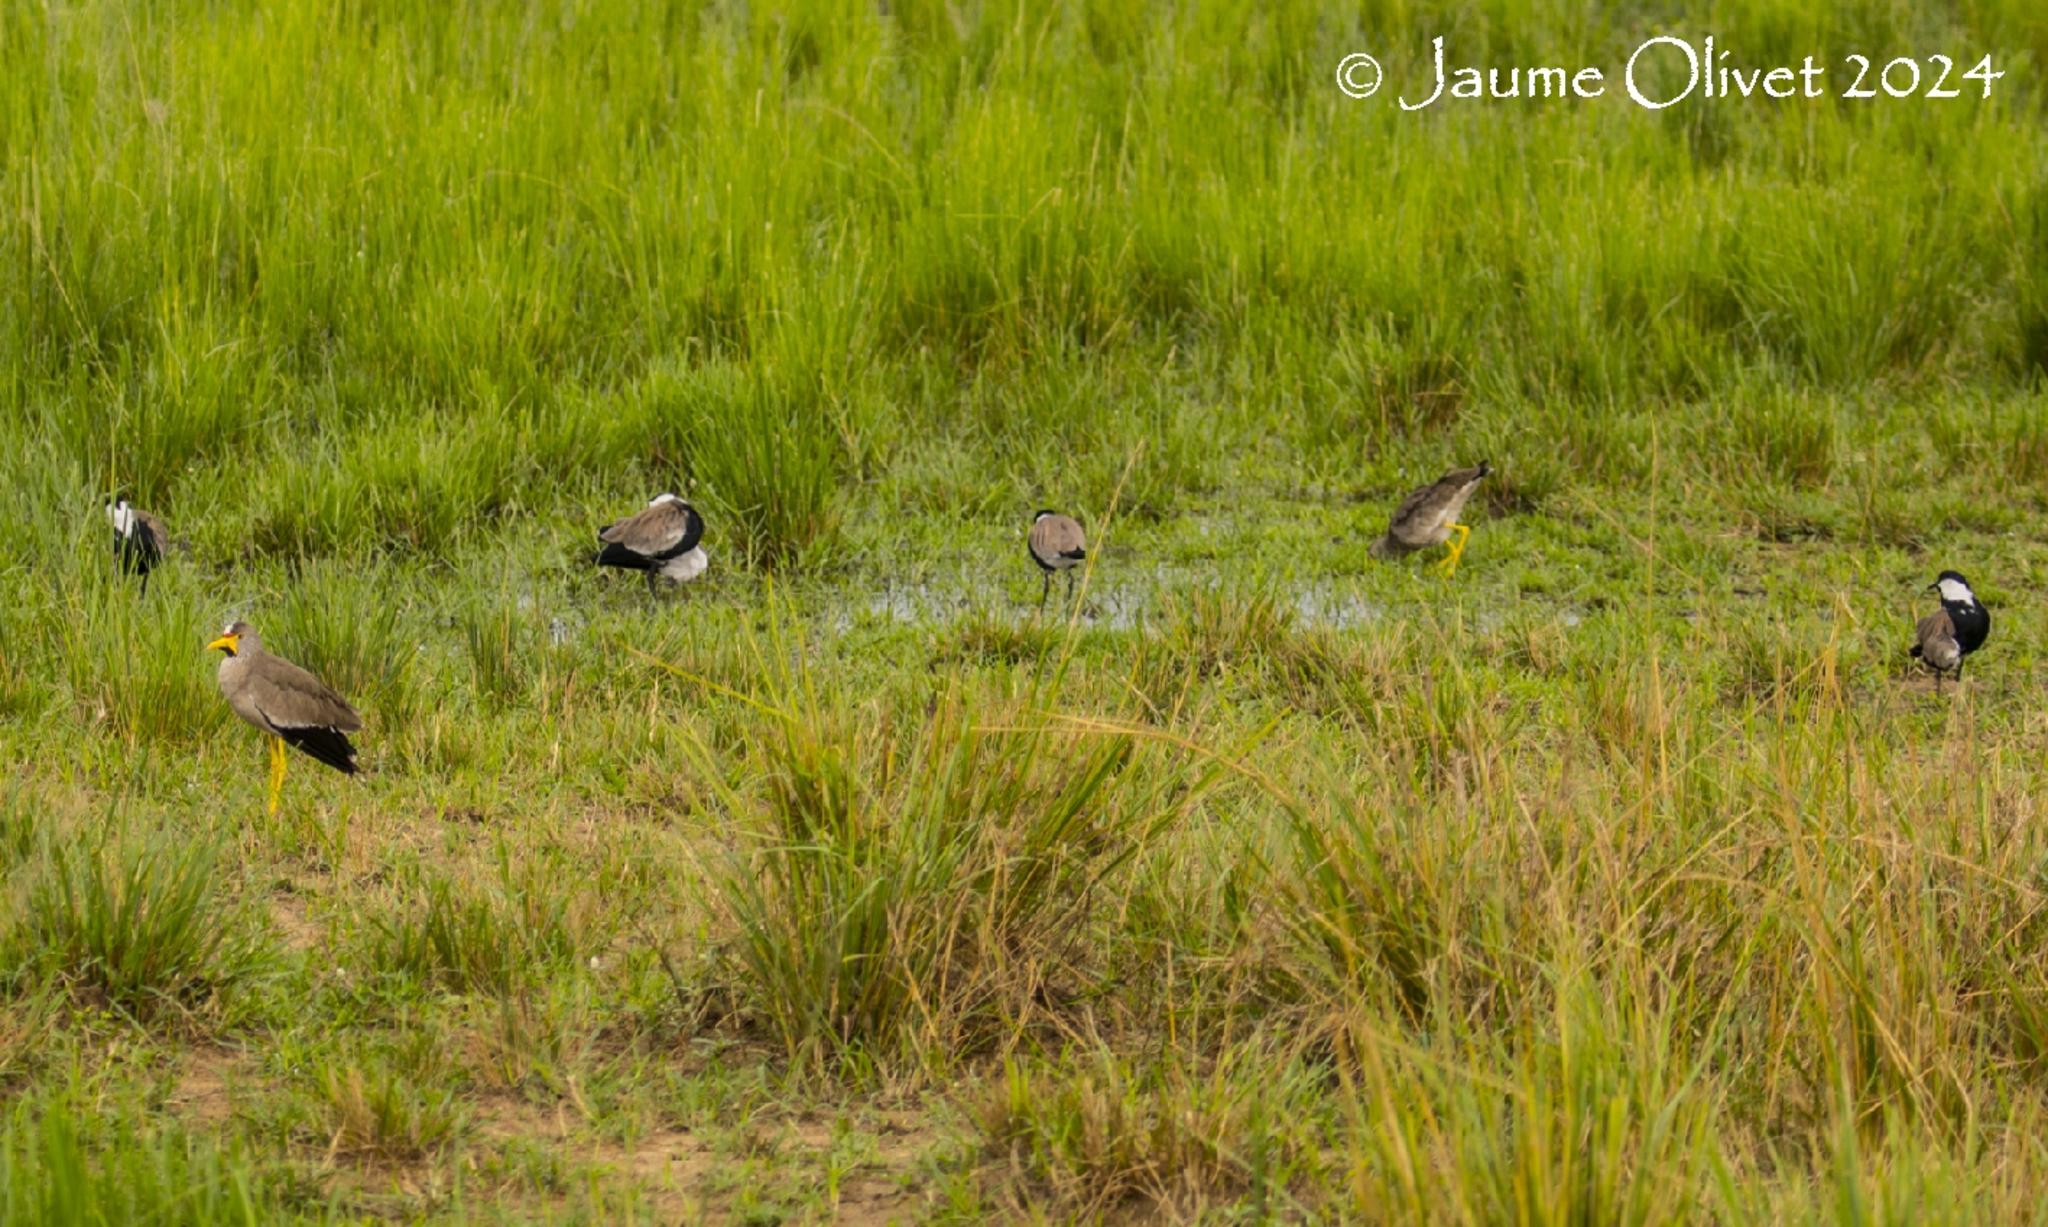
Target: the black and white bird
pixel 140 541
pixel 660 540
pixel 1943 638
pixel 1056 544
pixel 1429 516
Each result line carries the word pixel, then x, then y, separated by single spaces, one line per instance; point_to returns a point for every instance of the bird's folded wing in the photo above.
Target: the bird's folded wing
pixel 291 698
pixel 661 531
pixel 1932 627
pixel 1057 537
pixel 152 530
pixel 1422 509
pixel 1417 502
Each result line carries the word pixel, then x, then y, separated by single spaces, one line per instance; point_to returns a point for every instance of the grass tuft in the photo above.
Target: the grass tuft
pixel 140 922
pixel 59 1168
pixel 917 883
pixel 1097 1131
pixel 388 1101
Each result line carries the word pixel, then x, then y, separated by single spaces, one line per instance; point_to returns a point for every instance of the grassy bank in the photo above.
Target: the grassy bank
pixel 1630 877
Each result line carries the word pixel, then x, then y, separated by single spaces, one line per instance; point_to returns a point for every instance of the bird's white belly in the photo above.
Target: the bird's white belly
pixel 685 567
pixel 1433 531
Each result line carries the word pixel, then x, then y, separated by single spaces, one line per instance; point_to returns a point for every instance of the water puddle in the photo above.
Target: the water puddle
pixel 1123 604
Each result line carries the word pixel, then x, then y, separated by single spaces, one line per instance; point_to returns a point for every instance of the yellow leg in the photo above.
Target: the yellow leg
pixel 1450 563
pixel 276 772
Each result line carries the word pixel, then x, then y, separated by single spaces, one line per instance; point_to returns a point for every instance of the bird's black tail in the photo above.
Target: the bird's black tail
pixel 330 746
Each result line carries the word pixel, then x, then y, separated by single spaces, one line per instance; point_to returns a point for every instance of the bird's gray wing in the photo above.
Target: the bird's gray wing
pixel 153 533
pixel 652 533
pixel 1055 537
pixel 1417 499
pixel 291 698
pixel 1420 511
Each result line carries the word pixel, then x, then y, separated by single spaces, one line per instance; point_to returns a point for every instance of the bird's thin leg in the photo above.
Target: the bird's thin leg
pixel 145 583
pixel 276 772
pixel 652 591
pixel 1070 585
pixel 1045 592
pixel 1449 565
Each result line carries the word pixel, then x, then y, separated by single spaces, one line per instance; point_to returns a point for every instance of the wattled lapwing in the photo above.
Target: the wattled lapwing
pixel 660 540
pixel 140 541
pixel 1056 544
pixel 291 705
pixel 1430 515
pixel 1955 630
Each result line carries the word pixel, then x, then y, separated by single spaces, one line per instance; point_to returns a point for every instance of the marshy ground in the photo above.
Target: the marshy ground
pixel 1630 876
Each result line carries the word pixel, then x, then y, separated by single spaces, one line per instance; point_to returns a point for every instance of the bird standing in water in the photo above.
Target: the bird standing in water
pixel 1056 544
pixel 660 540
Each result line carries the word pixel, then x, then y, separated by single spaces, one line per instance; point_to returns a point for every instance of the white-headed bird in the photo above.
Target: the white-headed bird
pixel 661 540
pixel 1943 638
pixel 140 541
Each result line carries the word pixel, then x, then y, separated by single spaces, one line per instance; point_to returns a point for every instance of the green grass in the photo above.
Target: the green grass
pixel 52 1172
pixel 137 921
pixel 1632 876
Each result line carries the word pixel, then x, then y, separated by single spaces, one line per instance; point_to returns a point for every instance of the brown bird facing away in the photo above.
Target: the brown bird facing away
pixel 1056 544
pixel 1430 515
pixel 660 540
pixel 140 541
pixel 291 705
pixel 1952 632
